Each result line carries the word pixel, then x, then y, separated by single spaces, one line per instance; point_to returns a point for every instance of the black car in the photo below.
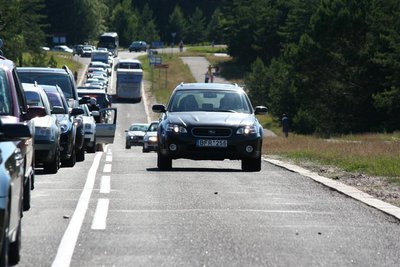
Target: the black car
pixel 64 78
pixel 209 121
pixel 67 124
pixel 138 46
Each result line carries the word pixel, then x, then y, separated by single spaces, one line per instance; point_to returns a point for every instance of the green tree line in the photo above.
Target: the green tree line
pixel 332 65
pixel 25 25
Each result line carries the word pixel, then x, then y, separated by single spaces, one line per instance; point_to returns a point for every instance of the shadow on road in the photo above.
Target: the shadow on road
pixel 195 170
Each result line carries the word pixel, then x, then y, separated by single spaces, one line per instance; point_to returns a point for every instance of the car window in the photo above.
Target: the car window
pixel 62 80
pixel 128 65
pixel 55 100
pixel 138 127
pixel 153 127
pixel 33 99
pixel 209 100
pixel 5 100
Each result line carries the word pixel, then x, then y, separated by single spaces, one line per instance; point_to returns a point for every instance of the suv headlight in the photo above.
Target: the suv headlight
pixel 175 128
pixel 64 126
pixel 42 131
pixel 247 130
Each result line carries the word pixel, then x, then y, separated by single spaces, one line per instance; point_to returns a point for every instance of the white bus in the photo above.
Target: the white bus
pixel 110 41
pixel 129 79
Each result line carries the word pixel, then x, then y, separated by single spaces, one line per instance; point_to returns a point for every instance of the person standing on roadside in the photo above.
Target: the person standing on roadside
pixel 210 74
pixel 285 124
pixel 181 45
pixel 206 78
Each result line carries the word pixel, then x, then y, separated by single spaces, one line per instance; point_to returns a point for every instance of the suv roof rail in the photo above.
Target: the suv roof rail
pixel 65 67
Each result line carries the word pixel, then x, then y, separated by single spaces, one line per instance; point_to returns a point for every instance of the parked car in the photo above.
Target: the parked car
pixel 16 160
pixel 209 121
pixel 90 128
pixel 97 70
pixel 64 78
pixel 134 134
pixel 86 52
pixel 47 129
pixel 78 49
pixel 102 102
pixel 98 64
pixel 138 46
pixel 68 127
pixel 62 48
pixel 12 168
pixel 150 138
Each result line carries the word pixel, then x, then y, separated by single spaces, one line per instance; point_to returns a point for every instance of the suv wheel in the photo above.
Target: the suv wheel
pixel 71 161
pixel 164 163
pixel 53 167
pixel 251 165
pixel 80 155
pixel 15 247
pixel 26 199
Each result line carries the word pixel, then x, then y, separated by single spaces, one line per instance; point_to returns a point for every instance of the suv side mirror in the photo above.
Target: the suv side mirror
pixel 77 111
pixel 158 108
pixel 84 100
pixel 57 110
pixel 260 110
pixel 35 112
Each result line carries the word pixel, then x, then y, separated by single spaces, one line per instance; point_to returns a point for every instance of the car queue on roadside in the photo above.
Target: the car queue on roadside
pixel 45 124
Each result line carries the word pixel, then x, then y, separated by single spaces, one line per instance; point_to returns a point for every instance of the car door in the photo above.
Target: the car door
pixel 105 131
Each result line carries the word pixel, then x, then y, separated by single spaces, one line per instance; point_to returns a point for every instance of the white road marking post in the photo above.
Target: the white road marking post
pixel 105 185
pixel 100 215
pixel 107 168
pixel 68 241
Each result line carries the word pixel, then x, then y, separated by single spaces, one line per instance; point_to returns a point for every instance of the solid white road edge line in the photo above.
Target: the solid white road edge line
pixel 345 189
pixel 146 108
pixel 68 241
pixel 105 185
pixel 100 215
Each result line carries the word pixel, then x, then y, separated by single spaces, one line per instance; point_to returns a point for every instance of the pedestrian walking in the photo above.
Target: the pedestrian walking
pixel 285 124
pixel 210 73
pixel 181 45
pixel 207 77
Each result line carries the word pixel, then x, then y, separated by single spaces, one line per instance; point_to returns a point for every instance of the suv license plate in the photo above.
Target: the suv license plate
pixel 211 143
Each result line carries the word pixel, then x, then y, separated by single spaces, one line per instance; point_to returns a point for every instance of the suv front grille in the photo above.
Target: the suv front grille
pixel 211 132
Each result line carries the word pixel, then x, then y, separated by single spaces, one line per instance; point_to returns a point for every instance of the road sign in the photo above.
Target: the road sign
pixel 161 66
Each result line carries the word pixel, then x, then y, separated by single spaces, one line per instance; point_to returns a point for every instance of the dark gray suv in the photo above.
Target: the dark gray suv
pixel 64 78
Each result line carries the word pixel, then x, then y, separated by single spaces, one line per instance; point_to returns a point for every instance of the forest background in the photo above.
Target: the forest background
pixel 332 65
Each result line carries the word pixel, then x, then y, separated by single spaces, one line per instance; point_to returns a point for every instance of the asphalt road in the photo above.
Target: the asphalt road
pixel 117 209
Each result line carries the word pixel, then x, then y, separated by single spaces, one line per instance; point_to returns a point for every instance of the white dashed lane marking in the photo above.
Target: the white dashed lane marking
pixel 100 216
pixel 107 168
pixel 105 185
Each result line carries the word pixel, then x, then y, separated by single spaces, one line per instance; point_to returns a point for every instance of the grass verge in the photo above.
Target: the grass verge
pixel 51 59
pixel 370 154
pixel 163 81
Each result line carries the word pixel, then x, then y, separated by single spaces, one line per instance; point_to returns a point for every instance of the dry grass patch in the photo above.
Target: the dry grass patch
pixel 164 81
pixel 372 155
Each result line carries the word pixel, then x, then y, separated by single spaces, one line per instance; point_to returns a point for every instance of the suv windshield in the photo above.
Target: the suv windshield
pixel 209 100
pixel 5 100
pixel 60 79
